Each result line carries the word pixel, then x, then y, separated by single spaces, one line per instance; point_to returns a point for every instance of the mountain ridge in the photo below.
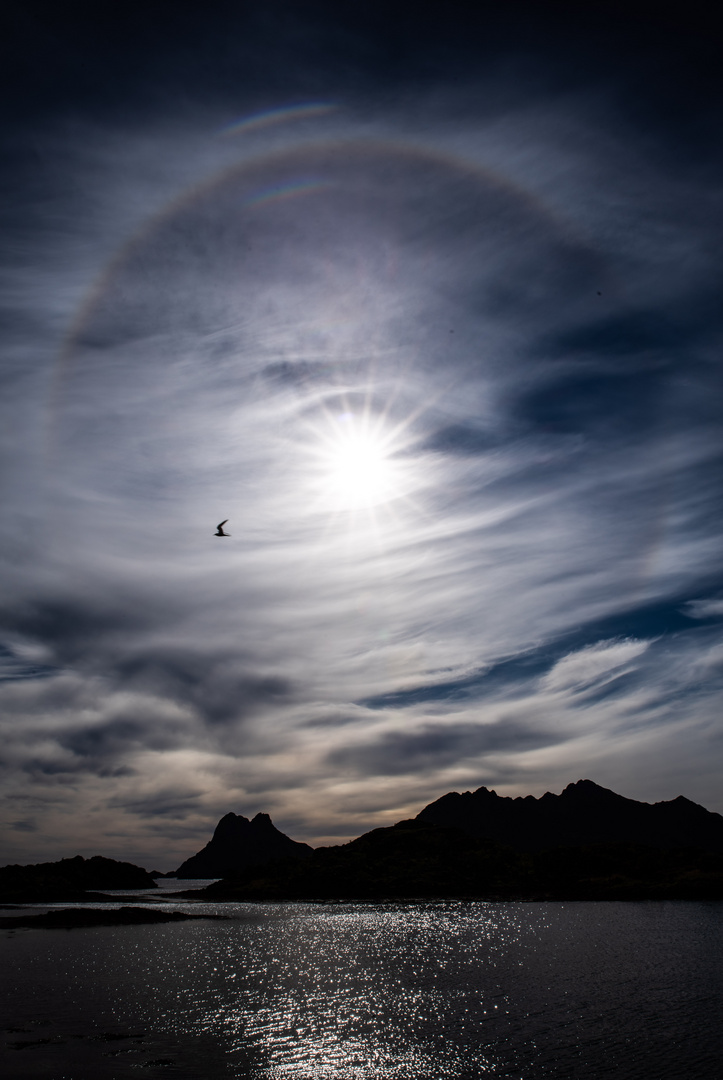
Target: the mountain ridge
pixel 581 845
pixel 584 813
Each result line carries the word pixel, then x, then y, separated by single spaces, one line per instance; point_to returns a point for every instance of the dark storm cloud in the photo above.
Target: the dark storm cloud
pixel 176 805
pixel 14 666
pixel 102 634
pixel 68 626
pixel 70 770
pixel 217 685
pixel 24 826
pixel 215 699
pixel 114 737
pixel 434 746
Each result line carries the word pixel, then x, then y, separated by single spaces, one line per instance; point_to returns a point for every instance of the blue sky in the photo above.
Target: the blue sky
pixel 429 310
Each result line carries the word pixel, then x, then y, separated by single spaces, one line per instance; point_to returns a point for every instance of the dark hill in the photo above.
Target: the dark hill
pixel 238 843
pixel 583 814
pixel 69 879
pixel 416 859
pixel 407 859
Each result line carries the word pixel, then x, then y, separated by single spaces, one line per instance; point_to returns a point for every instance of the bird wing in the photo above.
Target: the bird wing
pixel 222 524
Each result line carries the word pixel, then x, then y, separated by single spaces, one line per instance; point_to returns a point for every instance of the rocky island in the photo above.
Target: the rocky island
pixel 69 880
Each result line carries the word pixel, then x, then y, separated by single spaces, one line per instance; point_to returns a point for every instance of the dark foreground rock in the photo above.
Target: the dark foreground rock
pixel 69 918
pixel 238 843
pixel 414 859
pixel 69 879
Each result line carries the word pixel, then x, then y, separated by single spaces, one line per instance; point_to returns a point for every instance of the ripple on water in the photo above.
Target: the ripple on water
pixel 421 991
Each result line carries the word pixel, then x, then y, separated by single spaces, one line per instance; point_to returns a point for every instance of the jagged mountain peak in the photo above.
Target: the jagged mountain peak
pixel 238 843
pixel 588 789
pixel 584 813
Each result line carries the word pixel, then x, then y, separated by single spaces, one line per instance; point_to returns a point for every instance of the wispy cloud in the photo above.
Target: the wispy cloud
pixel 504 299
pixel 711 608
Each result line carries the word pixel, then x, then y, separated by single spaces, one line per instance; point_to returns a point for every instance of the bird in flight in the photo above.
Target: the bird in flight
pixel 219 529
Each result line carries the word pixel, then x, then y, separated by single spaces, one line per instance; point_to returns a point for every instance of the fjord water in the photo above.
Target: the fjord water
pixel 390 991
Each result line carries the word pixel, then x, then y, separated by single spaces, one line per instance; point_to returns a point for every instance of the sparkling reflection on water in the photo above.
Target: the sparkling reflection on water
pixel 391 991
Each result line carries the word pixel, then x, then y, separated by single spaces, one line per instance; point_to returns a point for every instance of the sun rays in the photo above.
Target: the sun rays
pixel 357 465
pixel 361 464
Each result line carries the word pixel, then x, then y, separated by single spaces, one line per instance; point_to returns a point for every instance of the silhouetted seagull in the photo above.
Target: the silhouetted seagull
pixel 219 529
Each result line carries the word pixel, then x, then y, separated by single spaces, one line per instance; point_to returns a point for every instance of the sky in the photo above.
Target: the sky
pixel 426 305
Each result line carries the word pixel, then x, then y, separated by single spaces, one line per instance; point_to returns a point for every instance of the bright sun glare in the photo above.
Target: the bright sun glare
pixel 359 470
pixel 357 466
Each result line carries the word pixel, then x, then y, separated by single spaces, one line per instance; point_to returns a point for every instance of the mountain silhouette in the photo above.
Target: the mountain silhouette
pixel 584 813
pixel 417 859
pixel 585 844
pixel 238 843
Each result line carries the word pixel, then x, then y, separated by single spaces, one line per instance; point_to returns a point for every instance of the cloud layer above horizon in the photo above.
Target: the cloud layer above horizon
pixel 448 360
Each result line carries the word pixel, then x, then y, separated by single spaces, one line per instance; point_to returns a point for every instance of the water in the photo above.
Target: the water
pixel 391 991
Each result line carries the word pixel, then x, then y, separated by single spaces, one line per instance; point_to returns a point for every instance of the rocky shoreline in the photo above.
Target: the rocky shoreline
pixel 71 918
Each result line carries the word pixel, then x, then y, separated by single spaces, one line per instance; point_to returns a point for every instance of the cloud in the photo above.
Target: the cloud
pixel 490 268
pixel 432 747
pixel 594 665
pixel 711 608
pixel 24 826
pixel 163 804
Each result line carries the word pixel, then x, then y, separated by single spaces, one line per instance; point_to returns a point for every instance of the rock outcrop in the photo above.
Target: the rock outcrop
pixel 71 918
pixel 238 843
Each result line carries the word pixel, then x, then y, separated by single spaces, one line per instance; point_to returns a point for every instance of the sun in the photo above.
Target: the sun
pixel 356 464
pixel 359 470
